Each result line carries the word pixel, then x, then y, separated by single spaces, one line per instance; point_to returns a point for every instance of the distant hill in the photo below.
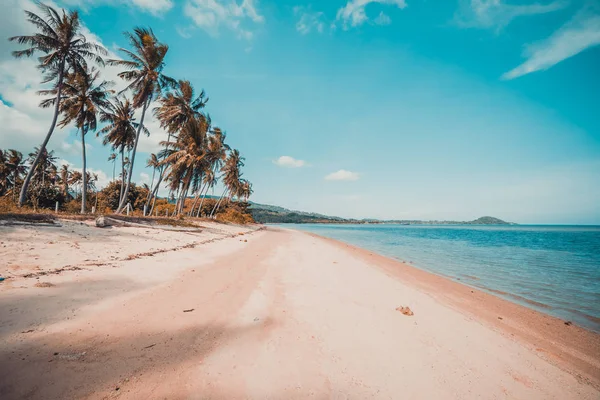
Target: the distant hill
pixel 488 221
pixel 268 214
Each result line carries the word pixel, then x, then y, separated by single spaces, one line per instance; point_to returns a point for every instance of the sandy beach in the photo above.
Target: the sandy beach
pixel 233 312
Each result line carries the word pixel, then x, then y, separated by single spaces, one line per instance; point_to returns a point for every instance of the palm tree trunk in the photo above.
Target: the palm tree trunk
pixel 196 198
pixel 216 207
pixel 132 160
pixel 149 197
pixel 184 196
pixel 207 187
pixel 160 178
pixel 122 174
pixel 23 194
pixel 83 175
pixel 114 166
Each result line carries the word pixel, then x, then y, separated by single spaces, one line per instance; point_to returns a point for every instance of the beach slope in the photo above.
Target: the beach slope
pixel 263 314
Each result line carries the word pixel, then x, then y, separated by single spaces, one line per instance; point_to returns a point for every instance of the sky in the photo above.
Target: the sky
pixel 391 109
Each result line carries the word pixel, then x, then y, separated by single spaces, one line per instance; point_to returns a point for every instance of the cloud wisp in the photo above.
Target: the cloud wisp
pixel 342 175
pixel 496 14
pixel 308 21
pixel 580 33
pixel 211 15
pixel 289 162
pixel 353 14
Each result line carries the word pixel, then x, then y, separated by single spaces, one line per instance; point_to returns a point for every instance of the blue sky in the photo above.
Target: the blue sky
pixel 361 108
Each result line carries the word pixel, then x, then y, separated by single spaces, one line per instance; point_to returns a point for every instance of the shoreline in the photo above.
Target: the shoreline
pixel 240 312
pixel 571 347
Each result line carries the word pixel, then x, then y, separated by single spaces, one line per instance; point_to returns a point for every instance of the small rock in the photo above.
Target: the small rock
pixel 499 317
pixel 405 310
pixel 568 323
pixel 101 222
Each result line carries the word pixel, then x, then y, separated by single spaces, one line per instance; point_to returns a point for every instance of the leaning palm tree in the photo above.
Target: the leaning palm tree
pixel 63 48
pixel 154 163
pixel 144 72
pixel 15 169
pixel 180 106
pixel 119 131
pixel 187 160
pixel 83 100
pixel 174 112
pixel 231 176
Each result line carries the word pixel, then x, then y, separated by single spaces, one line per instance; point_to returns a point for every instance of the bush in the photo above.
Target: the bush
pixel 234 216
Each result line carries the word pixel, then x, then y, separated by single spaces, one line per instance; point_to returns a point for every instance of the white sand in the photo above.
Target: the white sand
pixel 284 315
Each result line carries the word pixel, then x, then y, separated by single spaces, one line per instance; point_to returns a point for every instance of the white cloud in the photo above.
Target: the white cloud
pixel 383 19
pixel 210 15
pixel 496 14
pixel 342 175
pixel 154 7
pixel 308 20
pixel 103 178
pixel 144 178
pixel 289 162
pixel 73 148
pixel 353 13
pixel 580 33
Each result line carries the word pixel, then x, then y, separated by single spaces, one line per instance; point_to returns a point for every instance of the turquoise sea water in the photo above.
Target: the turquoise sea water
pixel 553 269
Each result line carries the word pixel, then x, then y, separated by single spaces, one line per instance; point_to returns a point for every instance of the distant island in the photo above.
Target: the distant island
pixel 268 214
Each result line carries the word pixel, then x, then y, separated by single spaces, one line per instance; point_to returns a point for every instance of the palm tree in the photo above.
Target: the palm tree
pixel 188 159
pixel 14 169
pixel 154 163
pixel 65 177
pixel 75 180
pixel 113 158
pixel 144 72
pixel 231 176
pixel 174 112
pixel 82 101
pixel 179 107
pixel 63 48
pixel 119 131
pixel 4 172
pixel 217 153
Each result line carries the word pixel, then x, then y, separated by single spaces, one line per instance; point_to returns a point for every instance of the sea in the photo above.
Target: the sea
pixel 552 269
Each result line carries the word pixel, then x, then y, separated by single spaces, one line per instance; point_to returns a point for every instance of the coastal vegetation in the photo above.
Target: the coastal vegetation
pixel 194 156
pixel 268 214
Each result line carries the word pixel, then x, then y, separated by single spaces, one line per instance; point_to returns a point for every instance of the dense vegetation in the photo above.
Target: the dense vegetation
pixel 194 157
pixel 268 214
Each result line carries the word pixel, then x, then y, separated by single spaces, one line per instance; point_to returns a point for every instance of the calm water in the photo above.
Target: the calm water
pixel 553 269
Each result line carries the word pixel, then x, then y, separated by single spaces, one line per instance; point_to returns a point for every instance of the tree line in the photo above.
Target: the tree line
pixel 193 159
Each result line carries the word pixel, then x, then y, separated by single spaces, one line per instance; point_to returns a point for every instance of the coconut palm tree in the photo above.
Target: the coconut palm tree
pixel 113 158
pixel 83 100
pixel 188 158
pixel 63 48
pixel 175 110
pixel 231 176
pixel 154 163
pixel 14 169
pixel 65 178
pixel 4 172
pixel 180 106
pixel 144 73
pixel 119 131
